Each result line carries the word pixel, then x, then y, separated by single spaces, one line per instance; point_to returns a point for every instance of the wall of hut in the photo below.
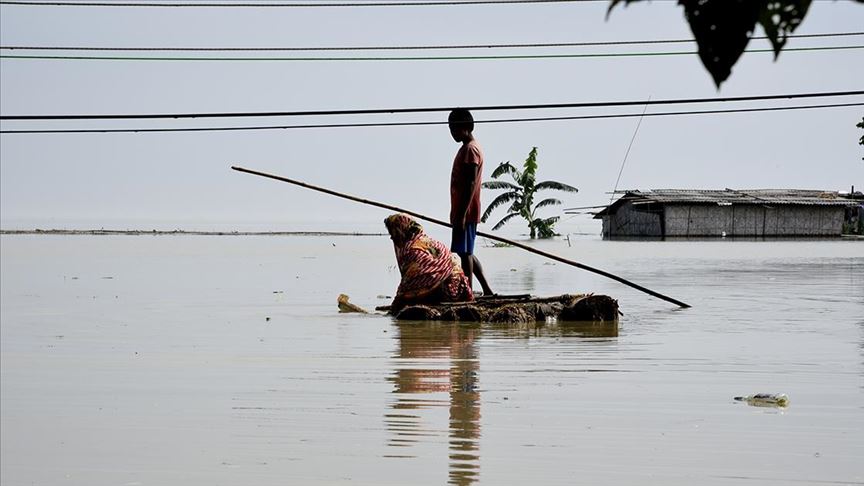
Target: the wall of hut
pixel 682 220
pixel 641 220
pixel 854 220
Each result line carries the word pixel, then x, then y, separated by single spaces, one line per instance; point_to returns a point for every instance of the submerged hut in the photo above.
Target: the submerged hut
pixel 662 213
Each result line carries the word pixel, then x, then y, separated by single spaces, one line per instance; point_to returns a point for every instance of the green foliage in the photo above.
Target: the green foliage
pixel 520 196
pixel 722 28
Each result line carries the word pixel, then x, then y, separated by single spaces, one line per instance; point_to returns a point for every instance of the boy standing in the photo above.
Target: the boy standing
pixel 465 181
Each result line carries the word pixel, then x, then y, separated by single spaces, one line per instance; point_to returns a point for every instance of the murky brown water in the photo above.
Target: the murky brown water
pixel 152 361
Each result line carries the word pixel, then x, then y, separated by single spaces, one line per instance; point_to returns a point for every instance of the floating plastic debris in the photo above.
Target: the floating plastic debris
pixel 345 306
pixel 765 400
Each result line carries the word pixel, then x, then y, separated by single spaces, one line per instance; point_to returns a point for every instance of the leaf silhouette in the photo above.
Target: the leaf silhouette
pixel 558 186
pixel 505 168
pixel 723 28
pixel 547 202
pixel 504 220
pixel 500 185
pixel 501 199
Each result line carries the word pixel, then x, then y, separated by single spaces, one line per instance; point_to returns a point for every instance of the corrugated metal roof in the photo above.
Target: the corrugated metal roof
pixel 742 196
pixel 806 197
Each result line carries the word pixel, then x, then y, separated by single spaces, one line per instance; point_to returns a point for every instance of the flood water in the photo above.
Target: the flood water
pixel 194 360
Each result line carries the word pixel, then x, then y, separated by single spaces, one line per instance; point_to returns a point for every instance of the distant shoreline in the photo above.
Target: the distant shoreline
pixel 104 232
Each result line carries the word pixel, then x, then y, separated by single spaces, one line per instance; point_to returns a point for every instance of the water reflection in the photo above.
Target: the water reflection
pixel 581 329
pixel 435 358
pixel 441 361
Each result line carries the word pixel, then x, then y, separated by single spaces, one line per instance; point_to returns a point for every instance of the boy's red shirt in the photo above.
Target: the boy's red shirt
pixel 468 156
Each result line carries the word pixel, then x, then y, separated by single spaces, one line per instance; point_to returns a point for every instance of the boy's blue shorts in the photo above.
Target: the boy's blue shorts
pixel 462 242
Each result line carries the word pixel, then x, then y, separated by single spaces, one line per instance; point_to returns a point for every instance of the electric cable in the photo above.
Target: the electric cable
pixel 400 47
pixel 306 4
pixel 380 111
pixel 409 58
pixel 422 123
pixel 629 146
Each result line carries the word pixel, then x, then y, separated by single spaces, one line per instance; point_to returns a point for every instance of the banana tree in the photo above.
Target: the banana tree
pixel 520 195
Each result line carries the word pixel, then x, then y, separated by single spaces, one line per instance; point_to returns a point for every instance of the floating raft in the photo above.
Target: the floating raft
pixel 516 309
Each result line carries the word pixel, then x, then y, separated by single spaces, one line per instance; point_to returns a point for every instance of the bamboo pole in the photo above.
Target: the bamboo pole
pixel 485 235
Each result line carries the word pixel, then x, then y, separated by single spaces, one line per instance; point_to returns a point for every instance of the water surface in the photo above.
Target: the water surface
pixel 136 360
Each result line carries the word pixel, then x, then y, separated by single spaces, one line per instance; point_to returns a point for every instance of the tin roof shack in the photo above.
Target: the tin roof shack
pixel 662 213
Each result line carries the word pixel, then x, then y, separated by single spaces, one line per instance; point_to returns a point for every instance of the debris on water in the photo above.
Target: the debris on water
pixel 107 278
pixel 345 306
pixel 278 291
pixel 267 319
pixel 382 296
pixel 521 309
pixel 765 400
pixel 512 314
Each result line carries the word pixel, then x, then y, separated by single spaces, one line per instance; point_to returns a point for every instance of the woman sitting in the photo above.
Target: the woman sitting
pixel 430 273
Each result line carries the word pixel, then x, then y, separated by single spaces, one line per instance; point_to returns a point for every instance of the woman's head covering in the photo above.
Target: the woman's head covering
pixel 424 263
pixel 402 228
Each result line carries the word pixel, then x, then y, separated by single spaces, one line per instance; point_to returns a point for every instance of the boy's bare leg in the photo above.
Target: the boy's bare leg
pixel 468 267
pixel 477 270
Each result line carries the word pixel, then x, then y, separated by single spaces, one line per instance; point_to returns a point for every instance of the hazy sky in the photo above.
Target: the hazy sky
pixel 184 180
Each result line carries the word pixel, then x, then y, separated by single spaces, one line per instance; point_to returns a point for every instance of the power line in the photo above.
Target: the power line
pixel 419 3
pixel 630 146
pixel 399 48
pixel 381 111
pixel 410 58
pixel 423 123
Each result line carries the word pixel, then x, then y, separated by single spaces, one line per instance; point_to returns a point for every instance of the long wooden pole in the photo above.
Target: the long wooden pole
pixel 485 235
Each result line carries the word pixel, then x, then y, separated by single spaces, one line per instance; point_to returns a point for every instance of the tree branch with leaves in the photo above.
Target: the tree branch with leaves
pixel 722 28
pixel 861 140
